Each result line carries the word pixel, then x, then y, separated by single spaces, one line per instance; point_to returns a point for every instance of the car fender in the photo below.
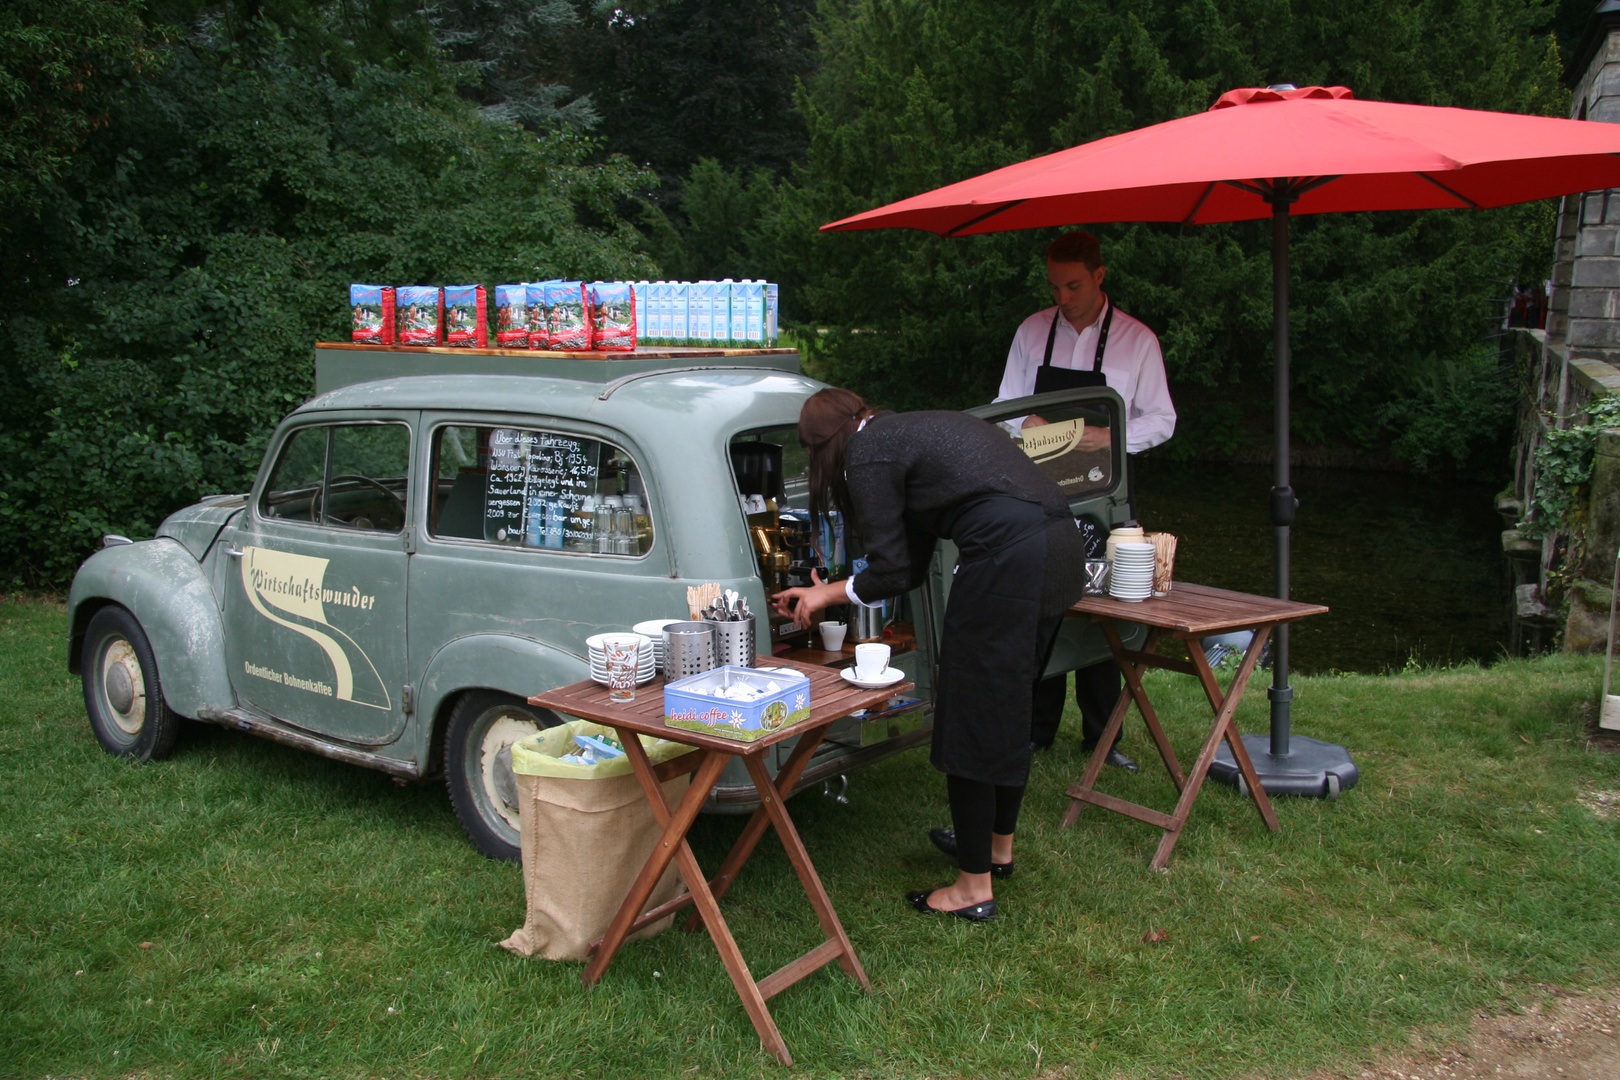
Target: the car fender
pixel 165 588
pixel 515 665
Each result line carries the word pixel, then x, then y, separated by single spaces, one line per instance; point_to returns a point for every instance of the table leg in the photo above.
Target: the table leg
pixel 1133 681
pixel 675 829
pixel 754 830
pixel 1223 728
pixel 1116 720
pixel 800 858
pixel 1099 757
pixel 670 843
pixel 1234 738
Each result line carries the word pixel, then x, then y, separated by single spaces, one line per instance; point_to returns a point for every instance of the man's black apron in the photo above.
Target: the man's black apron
pixel 995 639
pixel 1049 378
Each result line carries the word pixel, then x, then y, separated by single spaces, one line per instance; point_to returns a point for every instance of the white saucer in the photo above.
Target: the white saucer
pixel 889 677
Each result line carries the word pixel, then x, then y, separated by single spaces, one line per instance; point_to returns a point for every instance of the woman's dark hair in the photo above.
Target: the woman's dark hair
pixel 826 423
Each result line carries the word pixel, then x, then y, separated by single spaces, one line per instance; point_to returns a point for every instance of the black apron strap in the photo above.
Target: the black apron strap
pixel 1049 378
pixel 1102 338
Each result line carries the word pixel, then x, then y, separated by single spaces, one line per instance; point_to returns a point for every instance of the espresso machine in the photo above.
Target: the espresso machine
pixel 758 467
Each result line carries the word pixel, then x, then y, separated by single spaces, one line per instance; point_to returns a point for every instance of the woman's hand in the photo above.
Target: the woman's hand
pixel 802 604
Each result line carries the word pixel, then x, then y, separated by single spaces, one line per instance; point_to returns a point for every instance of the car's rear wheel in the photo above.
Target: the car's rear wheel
pixel 122 691
pixel 478 766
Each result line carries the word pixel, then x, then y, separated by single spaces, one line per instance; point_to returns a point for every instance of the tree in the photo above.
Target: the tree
pixel 684 80
pixel 203 239
pixel 62 65
pixel 914 94
pixel 519 49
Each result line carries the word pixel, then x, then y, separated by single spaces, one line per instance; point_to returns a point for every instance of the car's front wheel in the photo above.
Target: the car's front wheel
pixel 478 766
pixel 122 691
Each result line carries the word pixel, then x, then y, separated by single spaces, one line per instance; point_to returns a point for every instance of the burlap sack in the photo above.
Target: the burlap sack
pixel 584 841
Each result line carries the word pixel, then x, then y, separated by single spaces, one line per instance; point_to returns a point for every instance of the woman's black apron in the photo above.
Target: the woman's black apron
pixel 998 628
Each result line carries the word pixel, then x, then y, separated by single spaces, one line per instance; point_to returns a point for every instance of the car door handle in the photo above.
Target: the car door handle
pixel 235 553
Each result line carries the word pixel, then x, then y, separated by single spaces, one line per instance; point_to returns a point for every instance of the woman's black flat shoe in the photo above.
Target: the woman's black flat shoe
pixel 972 913
pixel 945 840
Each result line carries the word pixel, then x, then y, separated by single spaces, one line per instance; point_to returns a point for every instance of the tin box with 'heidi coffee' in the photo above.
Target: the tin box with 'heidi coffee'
pixel 738 702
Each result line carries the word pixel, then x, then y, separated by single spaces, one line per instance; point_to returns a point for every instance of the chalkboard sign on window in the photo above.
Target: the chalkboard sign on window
pixel 538 489
pixel 538 484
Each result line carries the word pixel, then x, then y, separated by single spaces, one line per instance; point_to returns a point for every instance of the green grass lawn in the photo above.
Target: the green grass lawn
pixel 247 910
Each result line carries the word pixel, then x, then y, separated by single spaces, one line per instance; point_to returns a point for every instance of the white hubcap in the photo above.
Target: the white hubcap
pixel 123 688
pixel 496 768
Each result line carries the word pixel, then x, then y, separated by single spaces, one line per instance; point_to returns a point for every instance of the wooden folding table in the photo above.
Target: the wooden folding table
pixel 1187 613
pixel 831 698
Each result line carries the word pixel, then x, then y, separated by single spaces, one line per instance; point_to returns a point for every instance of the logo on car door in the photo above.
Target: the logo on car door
pixel 295 587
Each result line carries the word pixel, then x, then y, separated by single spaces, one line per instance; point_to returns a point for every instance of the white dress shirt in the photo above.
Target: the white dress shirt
pixel 1132 366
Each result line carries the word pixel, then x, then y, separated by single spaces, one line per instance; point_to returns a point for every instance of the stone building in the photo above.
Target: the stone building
pixel 1576 359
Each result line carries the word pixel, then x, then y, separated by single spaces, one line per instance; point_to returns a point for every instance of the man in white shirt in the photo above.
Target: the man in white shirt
pixel 1082 328
pixel 1085 341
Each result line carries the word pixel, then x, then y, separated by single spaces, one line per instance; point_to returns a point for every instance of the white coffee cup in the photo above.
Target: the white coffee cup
pixel 832 636
pixel 871 661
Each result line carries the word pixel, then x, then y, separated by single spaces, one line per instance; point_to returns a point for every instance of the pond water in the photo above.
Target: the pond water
pixel 1412 568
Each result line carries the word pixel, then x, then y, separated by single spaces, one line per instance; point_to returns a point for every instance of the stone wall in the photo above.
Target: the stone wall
pixel 1584 309
pixel 1561 580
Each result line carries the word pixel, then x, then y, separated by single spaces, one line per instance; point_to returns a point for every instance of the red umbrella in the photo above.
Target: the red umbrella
pixel 1331 152
pixel 1271 153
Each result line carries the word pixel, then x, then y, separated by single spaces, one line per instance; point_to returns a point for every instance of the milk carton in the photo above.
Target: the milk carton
pixel 722 312
pixel 680 312
pixel 701 309
pixel 611 311
pixel 655 313
pixel 773 319
pixel 748 311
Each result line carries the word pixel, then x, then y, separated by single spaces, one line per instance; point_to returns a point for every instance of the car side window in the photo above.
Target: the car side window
pixel 348 476
pixel 529 487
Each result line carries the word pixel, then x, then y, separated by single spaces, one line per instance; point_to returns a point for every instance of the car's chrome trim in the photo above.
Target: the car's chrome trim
pixel 242 720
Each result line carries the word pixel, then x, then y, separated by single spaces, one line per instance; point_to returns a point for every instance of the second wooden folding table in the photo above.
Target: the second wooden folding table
pixel 1187 613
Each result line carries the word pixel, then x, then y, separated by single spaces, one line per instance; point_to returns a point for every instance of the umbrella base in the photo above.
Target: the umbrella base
pixel 1314 769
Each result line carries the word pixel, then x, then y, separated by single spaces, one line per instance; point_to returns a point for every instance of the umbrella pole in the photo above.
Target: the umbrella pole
pixel 1283 502
pixel 1286 765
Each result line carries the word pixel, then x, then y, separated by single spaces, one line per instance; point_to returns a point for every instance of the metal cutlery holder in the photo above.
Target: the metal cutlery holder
pixel 688 649
pixel 734 642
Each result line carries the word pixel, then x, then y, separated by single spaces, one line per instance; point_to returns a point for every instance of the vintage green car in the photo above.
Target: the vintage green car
pixel 432 538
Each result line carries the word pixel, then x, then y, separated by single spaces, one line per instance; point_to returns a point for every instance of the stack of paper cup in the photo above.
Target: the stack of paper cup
pixel 1131 576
